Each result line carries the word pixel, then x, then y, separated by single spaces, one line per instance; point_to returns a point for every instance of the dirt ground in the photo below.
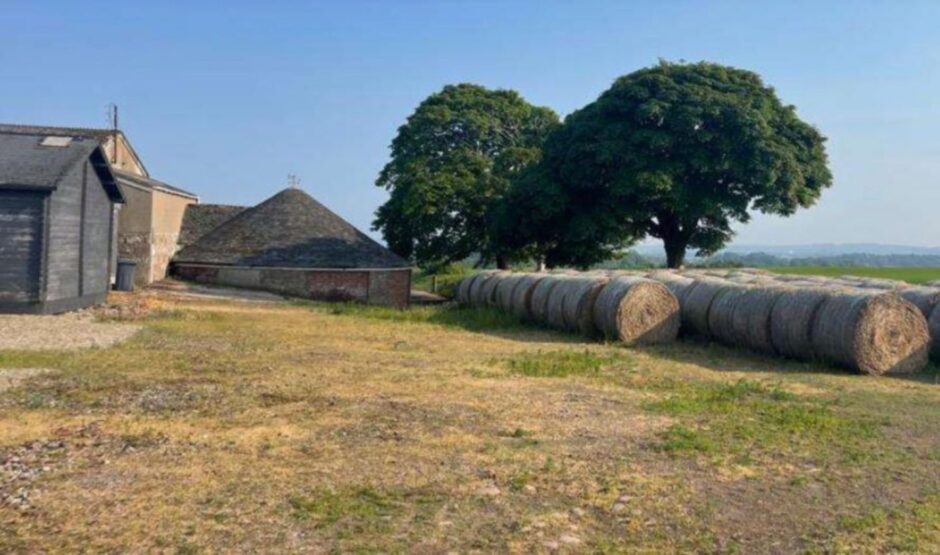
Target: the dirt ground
pixel 231 426
pixel 60 332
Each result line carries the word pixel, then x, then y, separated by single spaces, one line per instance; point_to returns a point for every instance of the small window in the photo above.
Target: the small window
pixel 56 141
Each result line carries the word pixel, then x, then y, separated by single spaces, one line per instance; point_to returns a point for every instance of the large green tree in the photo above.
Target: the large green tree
pixel 450 163
pixel 677 152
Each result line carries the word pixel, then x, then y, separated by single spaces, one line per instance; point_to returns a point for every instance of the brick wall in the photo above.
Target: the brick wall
pixel 379 287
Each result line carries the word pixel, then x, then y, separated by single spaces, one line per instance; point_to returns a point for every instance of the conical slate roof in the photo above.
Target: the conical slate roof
pixel 290 230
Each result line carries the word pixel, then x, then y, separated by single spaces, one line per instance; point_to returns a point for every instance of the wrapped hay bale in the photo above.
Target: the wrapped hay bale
pixel 873 333
pixel 578 295
pixel 751 321
pixel 520 305
pixel 791 321
pixel 924 298
pixel 637 310
pixel 720 314
pixel 538 302
pixel 697 301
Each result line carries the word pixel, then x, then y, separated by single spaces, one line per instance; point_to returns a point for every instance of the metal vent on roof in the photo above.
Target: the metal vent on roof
pixel 56 141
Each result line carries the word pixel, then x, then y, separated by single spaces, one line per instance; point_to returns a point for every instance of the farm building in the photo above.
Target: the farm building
pixel 58 200
pixel 149 223
pixel 292 244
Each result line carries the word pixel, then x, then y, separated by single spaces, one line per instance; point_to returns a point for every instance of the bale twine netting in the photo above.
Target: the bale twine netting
pixel 637 310
pixel 873 333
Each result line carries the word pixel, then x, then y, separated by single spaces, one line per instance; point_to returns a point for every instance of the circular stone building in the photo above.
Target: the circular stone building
pixel 293 245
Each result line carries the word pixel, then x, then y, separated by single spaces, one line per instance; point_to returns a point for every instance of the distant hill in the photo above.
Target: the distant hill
pixel 813 250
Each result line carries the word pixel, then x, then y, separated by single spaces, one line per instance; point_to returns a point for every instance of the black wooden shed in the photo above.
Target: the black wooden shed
pixel 57 223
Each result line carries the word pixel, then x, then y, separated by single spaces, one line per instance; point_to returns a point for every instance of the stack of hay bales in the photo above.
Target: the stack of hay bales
pixel 872 326
pixel 624 307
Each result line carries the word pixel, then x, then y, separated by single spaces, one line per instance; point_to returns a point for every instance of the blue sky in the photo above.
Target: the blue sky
pixel 227 98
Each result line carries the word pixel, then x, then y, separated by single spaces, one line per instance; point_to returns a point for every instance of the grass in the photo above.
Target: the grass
pixel 911 275
pixel 234 427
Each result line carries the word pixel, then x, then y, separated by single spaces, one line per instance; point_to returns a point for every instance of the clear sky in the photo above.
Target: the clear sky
pixel 227 98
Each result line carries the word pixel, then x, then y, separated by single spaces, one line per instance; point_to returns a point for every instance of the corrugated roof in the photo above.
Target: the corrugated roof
pixel 290 230
pixel 200 219
pixel 150 183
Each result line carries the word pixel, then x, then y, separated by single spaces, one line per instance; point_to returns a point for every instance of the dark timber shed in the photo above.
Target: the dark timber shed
pixel 294 245
pixel 57 222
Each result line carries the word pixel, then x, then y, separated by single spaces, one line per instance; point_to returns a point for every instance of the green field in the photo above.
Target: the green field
pixel 911 275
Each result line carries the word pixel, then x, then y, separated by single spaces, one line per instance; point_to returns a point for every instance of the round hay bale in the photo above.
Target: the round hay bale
pixel 637 310
pixel 578 296
pixel 791 321
pixel 934 327
pixel 487 291
pixel 924 298
pixel 873 333
pixel 538 302
pixel 554 311
pixel 678 284
pixel 504 289
pixel 473 289
pixel 751 321
pixel 720 316
pixel 520 305
pixel 697 301
pixel 463 289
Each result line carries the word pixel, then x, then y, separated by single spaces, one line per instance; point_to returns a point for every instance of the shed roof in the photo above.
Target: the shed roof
pixel 99 134
pixel 290 230
pixel 26 164
pixel 200 219
pixel 126 178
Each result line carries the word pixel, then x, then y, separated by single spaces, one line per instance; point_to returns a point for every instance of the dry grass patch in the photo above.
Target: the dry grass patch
pixel 227 426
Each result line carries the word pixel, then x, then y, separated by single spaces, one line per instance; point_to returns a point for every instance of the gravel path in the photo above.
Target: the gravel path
pixel 11 377
pixel 66 331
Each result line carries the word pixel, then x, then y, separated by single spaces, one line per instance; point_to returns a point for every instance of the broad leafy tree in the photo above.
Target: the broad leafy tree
pixel 676 151
pixel 450 163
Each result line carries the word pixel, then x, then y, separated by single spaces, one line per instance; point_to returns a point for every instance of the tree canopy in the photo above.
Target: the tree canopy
pixel 450 163
pixel 676 151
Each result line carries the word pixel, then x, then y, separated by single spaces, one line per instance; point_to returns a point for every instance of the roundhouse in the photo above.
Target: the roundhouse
pixel 293 245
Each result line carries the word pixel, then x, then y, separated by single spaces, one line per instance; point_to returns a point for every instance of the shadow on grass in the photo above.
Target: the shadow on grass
pixel 475 319
pixel 714 356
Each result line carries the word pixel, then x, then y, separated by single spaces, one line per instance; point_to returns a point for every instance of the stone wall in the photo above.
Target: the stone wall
pixel 134 233
pixel 380 287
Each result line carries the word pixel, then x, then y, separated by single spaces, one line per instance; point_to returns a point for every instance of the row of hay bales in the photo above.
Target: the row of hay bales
pixel 871 325
pixel 628 308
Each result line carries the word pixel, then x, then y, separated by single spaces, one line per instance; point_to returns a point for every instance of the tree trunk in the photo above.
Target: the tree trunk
pixel 502 263
pixel 540 264
pixel 675 252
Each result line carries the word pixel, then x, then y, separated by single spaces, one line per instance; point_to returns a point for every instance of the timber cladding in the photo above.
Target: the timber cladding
pixel 387 287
